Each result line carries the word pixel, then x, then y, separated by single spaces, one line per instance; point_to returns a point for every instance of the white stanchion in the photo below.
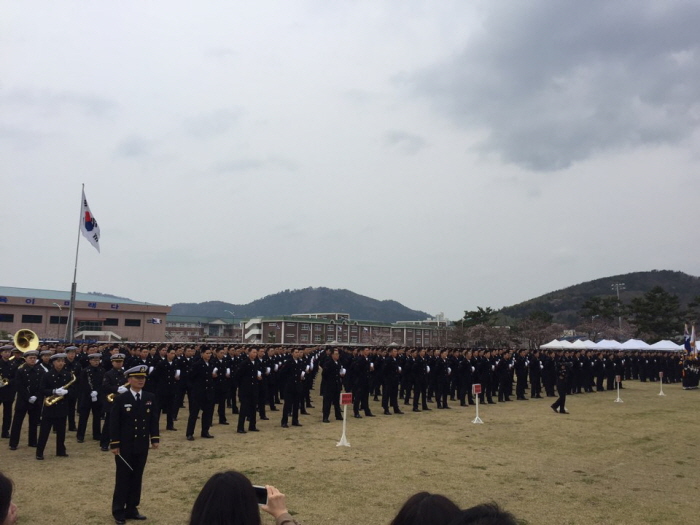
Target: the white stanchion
pixel 661 384
pixel 345 400
pixel 617 380
pixel 476 390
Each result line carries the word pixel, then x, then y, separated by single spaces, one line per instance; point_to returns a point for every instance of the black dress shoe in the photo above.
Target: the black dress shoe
pixel 387 413
pixel 224 423
pixel 369 415
pixel 253 430
pixel 416 409
pixel 104 449
pixel 136 516
pixel 172 429
pixel 119 522
pixel 13 448
pixel 358 416
pixel 326 421
pixel 264 418
pixel 40 458
pixel 273 409
pixel 297 424
pixel 398 412
pixel 64 455
pixel 285 425
pixel 207 436
pixel 426 408
pixel 80 440
pixel 190 438
pixel 241 431
pixel 304 413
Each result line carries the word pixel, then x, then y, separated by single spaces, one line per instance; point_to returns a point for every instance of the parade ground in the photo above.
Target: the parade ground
pixel 604 463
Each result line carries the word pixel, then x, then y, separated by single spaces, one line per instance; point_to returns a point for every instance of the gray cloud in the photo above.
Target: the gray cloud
pixel 406 142
pixel 211 124
pixel 52 102
pixel 134 147
pixel 553 83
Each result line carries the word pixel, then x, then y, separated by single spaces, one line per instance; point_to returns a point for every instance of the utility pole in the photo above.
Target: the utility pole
pixel 617 287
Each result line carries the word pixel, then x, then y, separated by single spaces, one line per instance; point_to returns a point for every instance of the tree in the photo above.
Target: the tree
pixel 656 315
pixel 605 307
pixel 485 316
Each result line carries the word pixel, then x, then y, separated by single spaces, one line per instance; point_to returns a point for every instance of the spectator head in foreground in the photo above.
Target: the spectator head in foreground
pixel 8 510
pixel 228 498
pixel 425 508
pixel 486 514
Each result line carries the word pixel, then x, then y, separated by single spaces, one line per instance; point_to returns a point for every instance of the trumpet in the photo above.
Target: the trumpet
pixel 110 397
pixel 53 399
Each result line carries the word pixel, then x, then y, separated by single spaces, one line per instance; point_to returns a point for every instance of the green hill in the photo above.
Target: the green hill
pixel 564 305
pixel 308 300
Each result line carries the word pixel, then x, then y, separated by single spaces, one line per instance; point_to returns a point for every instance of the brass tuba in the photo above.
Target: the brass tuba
pixel 53 399
pixel 25 340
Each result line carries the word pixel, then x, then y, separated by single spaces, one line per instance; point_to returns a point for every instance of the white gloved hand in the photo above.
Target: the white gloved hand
pixel 267 371
pixel 493 368
pixel 427 368
pixel 228 372
pixel 276 367
pixel 342 371
pixel 32 400
pixel 150 369
pixel 449 370
pixel 93 396
pixel 216 370
pixel 303 374
pixel 177 374
pixel 541 366
pixel 307 368
pixel 122 389
pixel 259 374
pixel 399 370
pixel 473 369
pixel 60 391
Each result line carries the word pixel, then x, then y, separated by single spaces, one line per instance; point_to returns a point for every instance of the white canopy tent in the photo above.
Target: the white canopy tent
pixel 635 344
pixel 608 344
pixel 665 346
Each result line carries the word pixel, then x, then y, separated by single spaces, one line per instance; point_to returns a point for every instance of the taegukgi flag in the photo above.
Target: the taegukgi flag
pixel 88 225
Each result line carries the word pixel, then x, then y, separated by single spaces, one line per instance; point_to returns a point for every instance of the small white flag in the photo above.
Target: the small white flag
pixel 88 225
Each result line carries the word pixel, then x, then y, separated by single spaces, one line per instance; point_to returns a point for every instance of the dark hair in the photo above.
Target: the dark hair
pixel 424 508
pixel 5 496
pixel 486 514
pixel 228 498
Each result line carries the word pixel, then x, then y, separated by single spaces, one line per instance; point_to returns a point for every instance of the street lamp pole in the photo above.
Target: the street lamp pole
pixel 233 325
pixel 58 327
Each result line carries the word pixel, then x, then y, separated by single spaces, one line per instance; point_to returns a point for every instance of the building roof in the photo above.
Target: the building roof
pixel 10 291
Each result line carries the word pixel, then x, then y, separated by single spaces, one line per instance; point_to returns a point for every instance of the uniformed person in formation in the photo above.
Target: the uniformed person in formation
pixel 133 427
pixel 8 388
pixel 29 399
pixel 54 387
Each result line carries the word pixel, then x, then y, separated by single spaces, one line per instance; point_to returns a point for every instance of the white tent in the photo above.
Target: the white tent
pixel 590 345
pixel 552 345
pixel 579 345
pixel 608 344
pixel 635 344
pixel 665 346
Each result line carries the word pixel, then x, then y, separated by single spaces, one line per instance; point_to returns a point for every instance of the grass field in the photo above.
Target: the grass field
pixel 605 463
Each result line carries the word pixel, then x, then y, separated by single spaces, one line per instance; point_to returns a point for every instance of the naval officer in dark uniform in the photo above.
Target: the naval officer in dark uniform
pixel 133 426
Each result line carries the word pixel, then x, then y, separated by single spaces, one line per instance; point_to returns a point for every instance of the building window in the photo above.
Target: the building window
pixel 304 338
pixel 91 326
pixel 7 318
pixel 318 327
pixel 32 318
pixel 317 339
pixel 304 327
pixel 329 337
pixel 132 322
pixel 113 321
pixel 353 339
pixel 55 319
pixel 353 328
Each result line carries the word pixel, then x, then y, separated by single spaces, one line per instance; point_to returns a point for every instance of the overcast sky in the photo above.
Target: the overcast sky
pixel 441 154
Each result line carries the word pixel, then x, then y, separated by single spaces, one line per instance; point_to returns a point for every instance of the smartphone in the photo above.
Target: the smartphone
pixel 260 494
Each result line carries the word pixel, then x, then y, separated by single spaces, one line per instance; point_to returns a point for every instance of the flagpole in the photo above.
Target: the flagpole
pixel 71 312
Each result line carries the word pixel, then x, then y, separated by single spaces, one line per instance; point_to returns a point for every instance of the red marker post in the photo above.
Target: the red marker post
pixel 617 381
pixel 476 390
pixel 345 400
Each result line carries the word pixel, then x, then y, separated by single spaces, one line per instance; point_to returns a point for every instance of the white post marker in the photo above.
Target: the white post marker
pixel 617 380
pixel 476 390
pixel 661 381
pixel 345 400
